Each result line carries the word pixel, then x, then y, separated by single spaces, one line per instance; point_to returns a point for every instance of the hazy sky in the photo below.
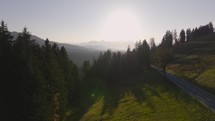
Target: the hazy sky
pixel 73 21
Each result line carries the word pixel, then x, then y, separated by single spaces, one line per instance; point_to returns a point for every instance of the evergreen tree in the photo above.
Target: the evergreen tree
pixel 175 37
pixel 43 79
pixel 145 55
pixel 202 30
pixel 163 57
pixel 86 68
pixel 182 36
pixel 188 35
pixel 6 71
pixel 113 66
pixel 211 28
pixel 167 40
pixel 152 43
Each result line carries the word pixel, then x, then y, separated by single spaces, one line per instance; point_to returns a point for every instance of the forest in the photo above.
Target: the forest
pixel 38 83
pixel 41 83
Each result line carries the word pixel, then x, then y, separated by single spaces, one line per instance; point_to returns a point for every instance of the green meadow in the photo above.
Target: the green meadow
pixel 148 97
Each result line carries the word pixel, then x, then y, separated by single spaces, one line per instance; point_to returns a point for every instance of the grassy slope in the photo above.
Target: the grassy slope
pixel 196 62
pixel 153 98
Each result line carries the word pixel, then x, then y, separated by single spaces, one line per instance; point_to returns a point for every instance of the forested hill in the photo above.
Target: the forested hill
pixel 38 83
pixel 202 45
pixel 78 54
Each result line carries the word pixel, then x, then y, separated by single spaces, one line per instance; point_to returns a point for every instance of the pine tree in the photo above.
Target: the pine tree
pixel 182 36
pixel 6 71
pixel 188 35
pixel 145 55
pixel 167 40
pixel 175 37
pixel 162 57
pixel 211 28
pixel 152 43
pixel 37 82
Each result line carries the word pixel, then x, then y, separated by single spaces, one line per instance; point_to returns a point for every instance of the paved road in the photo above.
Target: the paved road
pixel 201 95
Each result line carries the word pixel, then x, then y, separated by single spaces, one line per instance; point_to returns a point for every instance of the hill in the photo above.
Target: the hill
pixel 202 46
pixel 78 54
pixel 150 97
pixel 195 61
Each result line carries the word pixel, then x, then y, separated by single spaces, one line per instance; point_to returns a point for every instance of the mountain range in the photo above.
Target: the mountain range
pixel 105 45
pixel 77 54
pixel 80 52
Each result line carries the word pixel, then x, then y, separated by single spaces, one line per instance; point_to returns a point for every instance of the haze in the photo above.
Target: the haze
pixel 77 21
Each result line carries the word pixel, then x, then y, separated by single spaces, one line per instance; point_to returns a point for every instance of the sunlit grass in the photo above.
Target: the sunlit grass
pixel 207 78
pixel 151 99
pixel 195 61
pixel 199 69
pixel 152 108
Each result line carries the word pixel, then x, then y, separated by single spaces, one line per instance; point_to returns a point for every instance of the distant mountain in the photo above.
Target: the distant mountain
pixel 78 54
pixel 38 39
pixel 104 45
pixel 85 50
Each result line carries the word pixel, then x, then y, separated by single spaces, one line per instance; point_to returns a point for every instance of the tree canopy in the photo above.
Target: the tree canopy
pixel 38 83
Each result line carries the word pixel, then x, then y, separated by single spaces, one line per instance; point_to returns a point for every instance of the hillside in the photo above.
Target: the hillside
pixel 195 61
pixel 78 54
pixel 202 46
pixel 150 97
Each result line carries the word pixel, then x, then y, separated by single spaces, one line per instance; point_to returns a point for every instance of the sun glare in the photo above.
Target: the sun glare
pixel 121 25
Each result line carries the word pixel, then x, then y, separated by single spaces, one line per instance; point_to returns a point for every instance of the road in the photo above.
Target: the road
pixel 199 94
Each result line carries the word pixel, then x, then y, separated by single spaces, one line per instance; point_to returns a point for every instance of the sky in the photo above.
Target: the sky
pixel 76 21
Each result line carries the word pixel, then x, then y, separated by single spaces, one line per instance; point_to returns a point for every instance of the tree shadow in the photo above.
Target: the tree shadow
pixel 146 82
pixel 139 94
pixel 116 91
pixel 136 85
pixel 111 98
pixel 89 93
pixel 81 107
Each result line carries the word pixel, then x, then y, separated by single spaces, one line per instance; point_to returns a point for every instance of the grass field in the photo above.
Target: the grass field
pixel 195 61
pixel 199 69
pixel 149 97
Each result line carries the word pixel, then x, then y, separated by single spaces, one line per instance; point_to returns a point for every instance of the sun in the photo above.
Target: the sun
pixel 121 25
